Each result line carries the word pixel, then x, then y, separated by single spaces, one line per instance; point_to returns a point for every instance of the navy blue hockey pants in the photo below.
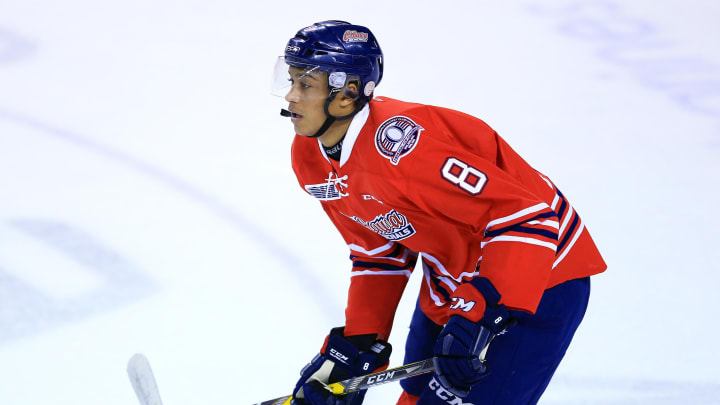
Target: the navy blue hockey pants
pixel 521 362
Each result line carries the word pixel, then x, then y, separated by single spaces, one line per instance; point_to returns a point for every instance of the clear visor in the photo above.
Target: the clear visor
pixel 299 81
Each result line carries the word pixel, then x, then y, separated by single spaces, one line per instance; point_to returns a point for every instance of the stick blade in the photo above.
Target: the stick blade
pixel 142 380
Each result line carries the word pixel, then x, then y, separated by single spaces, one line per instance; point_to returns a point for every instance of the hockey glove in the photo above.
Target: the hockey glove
pixel 461 346
pixel 340 358
pixel 317 393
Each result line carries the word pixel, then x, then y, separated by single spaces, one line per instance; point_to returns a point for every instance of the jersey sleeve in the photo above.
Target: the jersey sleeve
pixel 380 272
pixel 516 229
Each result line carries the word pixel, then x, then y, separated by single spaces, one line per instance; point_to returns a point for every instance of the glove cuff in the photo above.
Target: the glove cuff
pixel 360 354
pixel 467 302
pixel 472 299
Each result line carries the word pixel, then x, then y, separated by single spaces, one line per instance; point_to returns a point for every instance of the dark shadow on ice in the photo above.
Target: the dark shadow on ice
pixel 25 310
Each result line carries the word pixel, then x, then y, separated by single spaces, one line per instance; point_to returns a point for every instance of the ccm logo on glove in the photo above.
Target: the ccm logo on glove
pixel 468 301
pixel 336 354
pixel 459 303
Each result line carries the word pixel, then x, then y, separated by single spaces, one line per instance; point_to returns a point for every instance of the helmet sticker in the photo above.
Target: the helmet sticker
pixel 292 49
pixel 369 88
pixel 354 36
pixel 396 137
pixel 337 79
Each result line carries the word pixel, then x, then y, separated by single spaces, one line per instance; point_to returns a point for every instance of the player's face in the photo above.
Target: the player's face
pixel 306 99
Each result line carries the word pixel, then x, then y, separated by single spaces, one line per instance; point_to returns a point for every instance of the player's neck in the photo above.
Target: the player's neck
pixel 334 134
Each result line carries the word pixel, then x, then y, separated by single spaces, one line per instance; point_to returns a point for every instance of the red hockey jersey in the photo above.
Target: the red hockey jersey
pixel 416 179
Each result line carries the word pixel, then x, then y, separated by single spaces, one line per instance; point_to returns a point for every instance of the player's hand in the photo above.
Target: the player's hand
pixel 341 358
pixel 457 355
pixel 317 393
pixel 462 344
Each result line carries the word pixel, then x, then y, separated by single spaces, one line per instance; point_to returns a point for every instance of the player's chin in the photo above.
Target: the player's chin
pixel 304 131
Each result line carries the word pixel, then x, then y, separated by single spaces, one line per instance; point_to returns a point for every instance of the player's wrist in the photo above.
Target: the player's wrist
pixel 478 301
pixel 357 354
pixel 467 302
pixel 471 299
pixel 360 341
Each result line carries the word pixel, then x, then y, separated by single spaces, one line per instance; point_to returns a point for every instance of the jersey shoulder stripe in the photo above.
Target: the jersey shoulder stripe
pixel 536 225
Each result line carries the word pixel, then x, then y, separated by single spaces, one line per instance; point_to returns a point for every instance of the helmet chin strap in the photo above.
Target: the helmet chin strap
pixel 329 120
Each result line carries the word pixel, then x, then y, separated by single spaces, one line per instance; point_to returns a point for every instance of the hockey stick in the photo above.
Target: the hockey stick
pixel 369 380
pixel 143 381
pixel 145 386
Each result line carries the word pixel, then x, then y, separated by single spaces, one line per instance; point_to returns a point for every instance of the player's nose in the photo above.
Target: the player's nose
pixel 292 96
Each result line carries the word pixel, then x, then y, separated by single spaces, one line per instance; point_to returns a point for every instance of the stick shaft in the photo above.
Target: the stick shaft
pixel 369 380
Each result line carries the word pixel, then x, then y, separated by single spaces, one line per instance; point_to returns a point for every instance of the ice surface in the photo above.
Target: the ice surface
pixel 147 202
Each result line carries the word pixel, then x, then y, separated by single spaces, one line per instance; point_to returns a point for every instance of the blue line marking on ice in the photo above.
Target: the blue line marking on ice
pixel 304 279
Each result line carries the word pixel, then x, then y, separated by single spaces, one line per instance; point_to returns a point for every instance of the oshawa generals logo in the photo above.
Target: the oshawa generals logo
pixel 396 137
pixel 354 36
pixel 392 226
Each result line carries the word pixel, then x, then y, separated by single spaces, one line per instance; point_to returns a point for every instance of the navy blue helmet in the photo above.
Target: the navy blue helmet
pixel 350 51
pixel 344 53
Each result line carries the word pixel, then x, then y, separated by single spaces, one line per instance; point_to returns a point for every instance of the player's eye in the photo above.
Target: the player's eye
pixel 303 84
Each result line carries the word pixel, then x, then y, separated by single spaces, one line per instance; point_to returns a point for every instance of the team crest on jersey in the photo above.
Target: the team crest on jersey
pixel 332 189
pixel 396 137
pixel 392 225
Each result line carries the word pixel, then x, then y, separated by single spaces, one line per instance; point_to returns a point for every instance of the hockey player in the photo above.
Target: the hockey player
pixel 506 259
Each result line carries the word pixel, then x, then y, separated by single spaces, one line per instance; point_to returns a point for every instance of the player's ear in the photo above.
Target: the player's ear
pixel 351 92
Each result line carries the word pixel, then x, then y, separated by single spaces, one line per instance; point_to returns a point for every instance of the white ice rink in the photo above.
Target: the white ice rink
pixel 147 203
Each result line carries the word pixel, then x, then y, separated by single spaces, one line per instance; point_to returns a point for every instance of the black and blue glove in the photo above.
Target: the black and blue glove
pixel 340 358
pixel 461 346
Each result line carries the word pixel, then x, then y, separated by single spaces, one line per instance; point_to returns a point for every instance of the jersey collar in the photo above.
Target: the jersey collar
pixel 356 125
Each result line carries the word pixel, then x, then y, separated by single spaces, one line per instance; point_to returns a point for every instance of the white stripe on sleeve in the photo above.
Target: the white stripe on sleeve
pixel 565 222
pixel 555 202
pixel 532 241
pixel 406 273
pixel 440 266
pixel 546 181
pixel 372 252
pixel 570 245
pixel 549 222
pixel 438 302
pixel 521 213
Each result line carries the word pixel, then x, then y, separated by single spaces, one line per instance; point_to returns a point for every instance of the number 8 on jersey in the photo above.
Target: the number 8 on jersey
pixel 468 178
